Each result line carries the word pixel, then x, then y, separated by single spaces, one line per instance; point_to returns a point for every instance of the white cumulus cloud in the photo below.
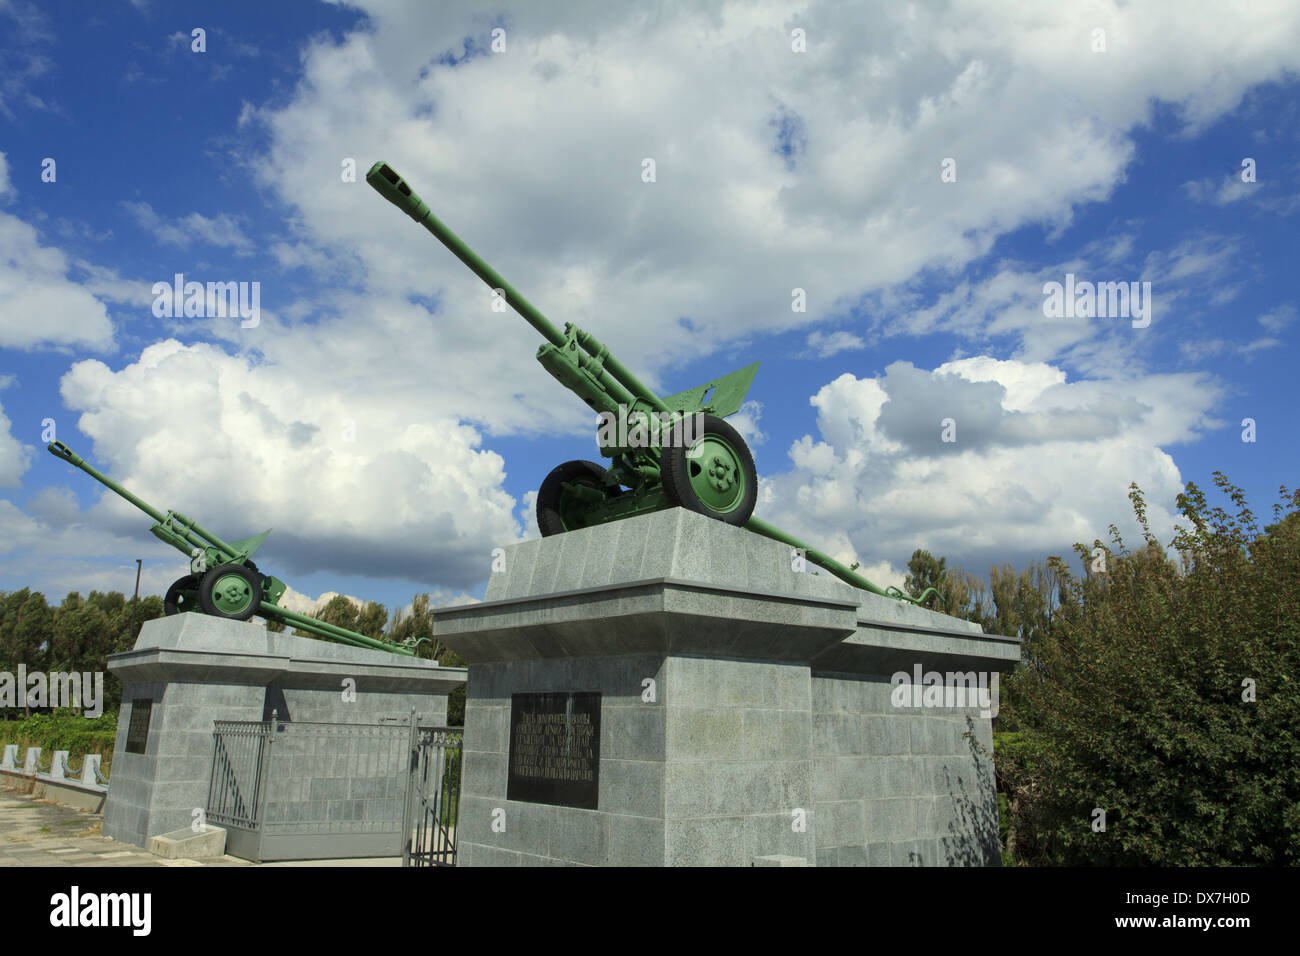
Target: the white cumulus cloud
pixel 1038 463
pixel 15 457
pixel 351 483
pixel 40 305
pixel 775 170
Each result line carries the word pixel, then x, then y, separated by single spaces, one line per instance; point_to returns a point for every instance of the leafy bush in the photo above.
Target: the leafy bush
pixel 63 730
pixel 1165 693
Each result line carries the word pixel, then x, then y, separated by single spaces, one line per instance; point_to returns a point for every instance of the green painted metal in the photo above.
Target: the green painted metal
pixel 234 595
pixel 823 560
pixel 233 591
pixel 728 394
pixel 325 629
pixel 720 482
pixel 716 473
pixel 584 365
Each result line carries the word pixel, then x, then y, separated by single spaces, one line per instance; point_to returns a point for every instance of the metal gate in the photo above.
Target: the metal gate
pixel 433 796
pixel 297 790
pixel 236 787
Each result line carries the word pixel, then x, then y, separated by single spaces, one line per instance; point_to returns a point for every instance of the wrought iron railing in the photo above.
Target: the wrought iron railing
pixel 239 753
pixel 433 797
pixel 314 789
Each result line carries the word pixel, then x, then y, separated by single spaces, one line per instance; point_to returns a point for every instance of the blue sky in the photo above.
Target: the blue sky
pixel 392 428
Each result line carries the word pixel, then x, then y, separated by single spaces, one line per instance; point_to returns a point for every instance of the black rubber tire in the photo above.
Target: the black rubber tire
pixel 176 600
pixel 210 579
pixel 550 518
pixel 676 471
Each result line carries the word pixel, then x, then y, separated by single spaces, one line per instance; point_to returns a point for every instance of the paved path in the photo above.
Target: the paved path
pixel 39 833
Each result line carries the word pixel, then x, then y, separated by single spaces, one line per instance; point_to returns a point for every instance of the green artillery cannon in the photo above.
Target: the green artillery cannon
pixel 667 452
pixel 223 580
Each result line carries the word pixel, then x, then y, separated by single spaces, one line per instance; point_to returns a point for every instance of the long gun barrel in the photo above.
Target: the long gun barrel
pixel 172 527
pixel 394 188
pixel 223 582
pixel 715 476
pixel 823 560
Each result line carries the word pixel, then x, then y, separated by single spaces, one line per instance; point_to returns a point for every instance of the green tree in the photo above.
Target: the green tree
pixel 372 619
pixel 135 614
pixel 1021 606
pixel 417 624
pixel 960 594
pixel 81 632
pixel 26 632
pixel 10 604
pixel 924 571
pixel 342 611
pixel 1163 690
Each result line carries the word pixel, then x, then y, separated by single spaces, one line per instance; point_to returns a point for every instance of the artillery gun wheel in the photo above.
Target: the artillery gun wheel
pixel 558 510
pixel 714 476
pixel 232 591
pixel 182 595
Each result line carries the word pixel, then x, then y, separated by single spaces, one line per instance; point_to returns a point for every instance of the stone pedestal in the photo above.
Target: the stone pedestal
pixel 746 710
pixel 189 670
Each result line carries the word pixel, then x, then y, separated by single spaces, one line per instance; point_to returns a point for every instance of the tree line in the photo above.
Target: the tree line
pixel 79 634
pixel 1153 717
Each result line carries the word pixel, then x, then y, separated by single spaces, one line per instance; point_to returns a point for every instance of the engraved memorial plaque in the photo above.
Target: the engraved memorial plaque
pixel 137 731
pixel 555 749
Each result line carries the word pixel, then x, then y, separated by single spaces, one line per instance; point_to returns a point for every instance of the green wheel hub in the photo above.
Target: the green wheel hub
pixel 710 472
pixel 232 594
pixel 715 473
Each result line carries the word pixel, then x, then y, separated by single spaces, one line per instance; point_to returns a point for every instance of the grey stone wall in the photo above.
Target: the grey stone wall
pixel 772 736
pixel 198 669
pixel 710 773
pixel 310 705
pixel 628 825
pixel 157 791
pixel 739 762
pixel 900 787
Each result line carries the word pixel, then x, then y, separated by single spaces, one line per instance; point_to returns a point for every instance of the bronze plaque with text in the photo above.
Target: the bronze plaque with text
pixel 137 731
pixel 555 749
